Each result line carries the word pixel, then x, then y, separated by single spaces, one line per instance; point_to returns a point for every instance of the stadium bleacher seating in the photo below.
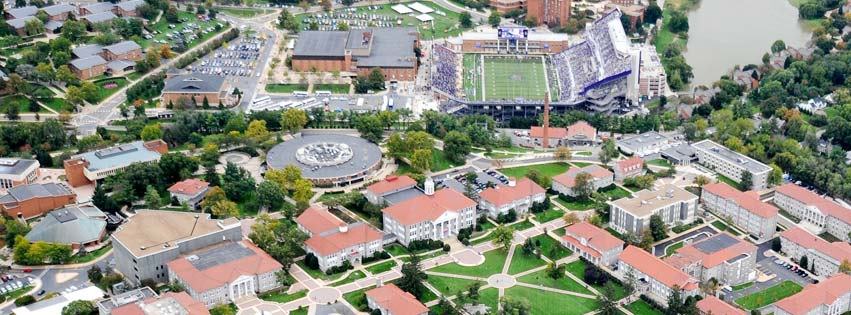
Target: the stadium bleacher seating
pixel 445 75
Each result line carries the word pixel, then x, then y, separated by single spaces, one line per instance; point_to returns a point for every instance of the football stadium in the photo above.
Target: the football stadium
pixel 510 75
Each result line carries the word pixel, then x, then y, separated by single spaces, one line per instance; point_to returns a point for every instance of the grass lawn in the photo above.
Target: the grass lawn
pixel 428 296
pixel 583 153
pixel 449 286
pixel 615 192
pixel 445 24
pixel 162 30
pixel 398 250
pixel 489 297
pixel 673 248
pixel 742 286
pixel 133 76
pixel 87 257
pixel 580 164
pixel 285 88
pixel 382 267
pixel 575 204
pixel 108 87
pixel 423 256
pixel 248 207
pixel 723 227
pixel 522 225
pixel 544 302
pixel 283 297
pixel 11 295
pixel 508 78
pixel 439 161
pixel 316 273
pixel 551 214
pixel 577 268
pixel 768 296
pixel 333 88
pixel 640 307
pixel 56 104
pixel 659 162
pixel 223 309
pixel 521 262
pixel 493 264
pixel 242 12
pixel 551 247
pixel 355 275
pixel 730 182
pixel 299 311
pixel 549 170
pixel 565 283
pixel 20 101
pixel 559 231
pixel 358 299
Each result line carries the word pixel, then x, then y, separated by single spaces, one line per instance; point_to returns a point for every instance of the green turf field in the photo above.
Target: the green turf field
pixel 472 77
pixel 509 78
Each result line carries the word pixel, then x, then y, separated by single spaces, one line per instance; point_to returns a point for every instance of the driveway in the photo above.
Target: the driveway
pixel 659 249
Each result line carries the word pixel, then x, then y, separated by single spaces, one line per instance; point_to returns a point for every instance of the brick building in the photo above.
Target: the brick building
pixel 191 90
pixel 85 168
pixel 32 200
pixel 553 13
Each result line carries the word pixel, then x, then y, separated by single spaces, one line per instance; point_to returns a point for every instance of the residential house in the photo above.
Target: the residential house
pixel 631 167
pixel 600 177
pixel 390 300
pixel 190 191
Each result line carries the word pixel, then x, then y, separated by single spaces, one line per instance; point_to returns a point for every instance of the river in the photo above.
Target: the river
pixel 725 33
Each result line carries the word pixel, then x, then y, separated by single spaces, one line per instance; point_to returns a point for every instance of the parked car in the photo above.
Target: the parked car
pixel 40 293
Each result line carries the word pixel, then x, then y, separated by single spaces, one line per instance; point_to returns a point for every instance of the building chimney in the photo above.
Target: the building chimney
pixel 429 186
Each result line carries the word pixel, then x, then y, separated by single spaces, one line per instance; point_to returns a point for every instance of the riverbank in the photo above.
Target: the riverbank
pixel 665 37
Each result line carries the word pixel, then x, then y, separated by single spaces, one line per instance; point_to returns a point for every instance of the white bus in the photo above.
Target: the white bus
pixel 360 101
pixel 322 93
pixel 390 103
pixel 300 93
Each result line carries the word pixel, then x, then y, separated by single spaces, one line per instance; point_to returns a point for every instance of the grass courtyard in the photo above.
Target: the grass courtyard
pixel 773 294
pixel 507 78
pixel 544 302
pixel 548 169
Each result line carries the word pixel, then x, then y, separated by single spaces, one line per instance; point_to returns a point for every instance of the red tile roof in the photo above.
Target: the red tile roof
pixel 428 208
pixel 568 179
pixel 657 269
pixel 627 165
pixel 597 239
pixel 690 254
pixel 812 199
pixel 814 295
pixel 335 242
pixel 189 187
pixel 713 305
pixel 202 280
pixel 502 195
pixel 581 130
pixel 538 132
pixel 836 250
pixel 190 305
pixel 391 183
pixel 398 302
pixel 748 200
pixel 318 220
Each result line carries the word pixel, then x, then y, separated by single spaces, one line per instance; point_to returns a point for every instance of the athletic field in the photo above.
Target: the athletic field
pixel 511 77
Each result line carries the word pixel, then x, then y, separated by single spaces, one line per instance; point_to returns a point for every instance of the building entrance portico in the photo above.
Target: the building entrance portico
pixel 241 287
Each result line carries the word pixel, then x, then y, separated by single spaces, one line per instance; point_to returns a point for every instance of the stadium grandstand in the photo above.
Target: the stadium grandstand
pixel 598 73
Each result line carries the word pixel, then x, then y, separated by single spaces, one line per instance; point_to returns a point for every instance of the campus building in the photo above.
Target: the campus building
pixel 79 226
pixel 593 243
pixel 225 272
pixel 505 6
pixel 377 193
pixel 731 164
pixel 820 214
pixel 190 90
pixel 656 279
pixel 744 209
pixel 579 133
pixel 652 79
pixel 711 305
pixel 390 300
pixel 823 258
pixel 554 13
pixel 488 41
pixel 518 195
pixel 631 167
pixel 359 51
pixel 436 215
pixel 600 177
pixel 727 259
pixel 94 60
pixel 16 172
pixel 32 200
pixel 830 297
pixel 334 242
pixel 149 240
pixel 645 144
pixel 144 301
pixel 673 204
pixel 189 191
pixel 86 168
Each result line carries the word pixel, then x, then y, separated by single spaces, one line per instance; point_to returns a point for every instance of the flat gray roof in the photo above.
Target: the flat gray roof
pixel 84 51
pixel 99 17
pixel 12 166
pixel 124 154
pixel 715 243
pixel 732 157
pixel 682 152
pixel 647 139
pixel 18 13
pixel 213 256
pixel 25 192
pixel 365 155
pixel 58 9
pixel 391 47
pixel 194 83
pixel 122 47
pixel 403 195
pixel 321 44
pixel 88 62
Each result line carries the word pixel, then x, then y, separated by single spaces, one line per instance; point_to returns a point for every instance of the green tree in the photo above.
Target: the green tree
pixel 678 22
pixel 79 307
pixel 412 277
pixel 778 46
pixel 776 175
pixel 583 186
pixel 151 132
pixel 302 191
pixel 152 198
pixel 282 239
pixel 747 180
pixel 658 228
pixel 456 146
pixel 608 151
pixel 653 13
pixel 421 160
pixel 465 19
pixel 494 18
pixel 225 209
pixel 370 128
pixel 608 300
pixel 270 194
pixel 515 305
pixel 293 120
pixel 237 182
pixel 503 236
pixel 177 166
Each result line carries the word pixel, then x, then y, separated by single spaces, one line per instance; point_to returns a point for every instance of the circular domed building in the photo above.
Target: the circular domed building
pixel 327 160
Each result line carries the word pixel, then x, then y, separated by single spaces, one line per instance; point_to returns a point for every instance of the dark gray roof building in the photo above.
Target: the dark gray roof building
pixel 52 25
pixel 70 225
pixel 21 22
pixel 122 47
pixel 99 17
pixel 99 7
pixel 321 43
pixel 16 166
pixel 373 47
pixel 129 5
pixel 21 12
pixel 194 83
pixel 84 51
pixel 88 62
pixel 58 9
pixel 26 192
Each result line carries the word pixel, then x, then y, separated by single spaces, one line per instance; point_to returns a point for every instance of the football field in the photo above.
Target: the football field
pixel 510 77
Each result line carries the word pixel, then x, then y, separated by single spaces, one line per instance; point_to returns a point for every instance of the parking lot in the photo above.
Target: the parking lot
pixel 11 283
pixel 696 235
pixel 769 267
pixel 484 179
pixel 237 59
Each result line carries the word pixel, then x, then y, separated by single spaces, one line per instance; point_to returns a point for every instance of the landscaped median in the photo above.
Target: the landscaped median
pixel 768 296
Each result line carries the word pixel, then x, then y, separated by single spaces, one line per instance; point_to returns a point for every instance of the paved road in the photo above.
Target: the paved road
pixel 659 249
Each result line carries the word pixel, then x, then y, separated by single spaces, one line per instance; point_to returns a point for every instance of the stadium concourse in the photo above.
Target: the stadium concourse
pixel 600 73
